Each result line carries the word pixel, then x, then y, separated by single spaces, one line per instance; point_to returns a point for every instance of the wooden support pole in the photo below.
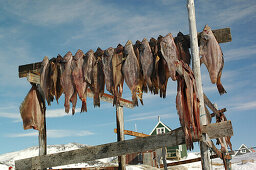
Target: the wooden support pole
pixel 120 134
pixel 164 158
pixel 205 154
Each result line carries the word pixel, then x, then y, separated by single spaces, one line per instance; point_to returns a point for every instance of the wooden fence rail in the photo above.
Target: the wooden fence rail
pixel 176 137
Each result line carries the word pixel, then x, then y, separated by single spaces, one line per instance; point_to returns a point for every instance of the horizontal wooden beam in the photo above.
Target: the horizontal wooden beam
pixel 222 36
pixel 211 106
pixel 218 130
pixel 34 78
pixel 132 133
pixel 174 138
pixel 187 161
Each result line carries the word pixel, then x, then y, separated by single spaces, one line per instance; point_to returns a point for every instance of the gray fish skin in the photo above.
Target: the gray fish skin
pixel 67 83
pixel 45 80
pixel 32 110
pixel 108 69
pixel 78 78
pixel 146 60
pixel 89 62
pixel 212 57
pixel 131 71
pixel 169 52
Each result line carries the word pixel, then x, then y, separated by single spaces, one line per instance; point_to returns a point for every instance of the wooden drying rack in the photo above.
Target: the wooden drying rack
pixel 122 147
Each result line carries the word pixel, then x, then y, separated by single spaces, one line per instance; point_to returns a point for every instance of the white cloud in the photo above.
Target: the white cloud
pixel 251 105
pixel 10 115
pixel 237 12
pixel 55 133
pixel 143 117
pixel 240 53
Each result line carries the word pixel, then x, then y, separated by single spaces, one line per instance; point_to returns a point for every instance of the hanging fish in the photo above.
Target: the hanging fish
pixel 45 80
pixel 212 57
pixel 32 110
pixel 78 77
pixel 108 69
pixel 170 54
pixel 182 44
pixel 154 76
pixel 118 78
pixel 60 69
pixel 98 82
pixel 163 69
pixel 187 104
pixel 131 72
pixel 147 63
pixel 68 84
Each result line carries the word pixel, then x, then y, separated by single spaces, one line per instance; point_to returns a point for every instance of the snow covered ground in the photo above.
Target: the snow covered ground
pixel 242 162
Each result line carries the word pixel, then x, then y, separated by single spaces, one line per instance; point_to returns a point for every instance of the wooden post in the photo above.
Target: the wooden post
pixel 227 164
pixel 205 155
pixel 42 134
pixel 120 134
pixel 164 158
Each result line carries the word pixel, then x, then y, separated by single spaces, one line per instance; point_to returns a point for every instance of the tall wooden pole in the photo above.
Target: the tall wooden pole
pixel 205 154
pixel 120 134
pixel 42 134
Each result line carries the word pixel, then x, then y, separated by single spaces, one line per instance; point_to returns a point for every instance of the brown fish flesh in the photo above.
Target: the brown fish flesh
pixel 98 82
pixel 32 110
pixel 78 77
pixel 131 72
pixel 170 54
pixel 187 104
pixel 212 57
pixel 146 61
pixel 45 80
pixel 162 70
pixel 118 79
pixel 60 67
pixel 108 69
pixel 67 84
pixel 182 44
pixel 154 49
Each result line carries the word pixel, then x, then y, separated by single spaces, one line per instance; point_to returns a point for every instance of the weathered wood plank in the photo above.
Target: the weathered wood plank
pixel 176 137
pixel 218 130
pixel 132 133
pixel 187 161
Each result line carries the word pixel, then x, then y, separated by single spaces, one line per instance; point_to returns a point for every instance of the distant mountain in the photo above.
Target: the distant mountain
pixel 8 159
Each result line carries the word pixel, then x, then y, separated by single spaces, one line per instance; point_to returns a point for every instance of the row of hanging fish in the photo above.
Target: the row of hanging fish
pixel 144 66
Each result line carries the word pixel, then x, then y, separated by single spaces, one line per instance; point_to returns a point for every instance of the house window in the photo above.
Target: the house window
pixel 160 130
pixel 243 151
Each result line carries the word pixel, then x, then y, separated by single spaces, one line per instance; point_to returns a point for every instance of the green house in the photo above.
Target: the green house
pixel 175 152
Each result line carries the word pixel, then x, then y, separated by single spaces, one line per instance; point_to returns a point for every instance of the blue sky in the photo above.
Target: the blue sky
pixel 30 30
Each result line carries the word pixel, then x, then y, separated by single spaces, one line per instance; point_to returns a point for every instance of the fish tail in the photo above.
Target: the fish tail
pixel 134 99
pixel 220 87
pixel 84 106
pixel 96 100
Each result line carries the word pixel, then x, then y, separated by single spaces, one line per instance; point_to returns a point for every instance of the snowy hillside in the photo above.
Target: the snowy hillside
pixel 245 162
